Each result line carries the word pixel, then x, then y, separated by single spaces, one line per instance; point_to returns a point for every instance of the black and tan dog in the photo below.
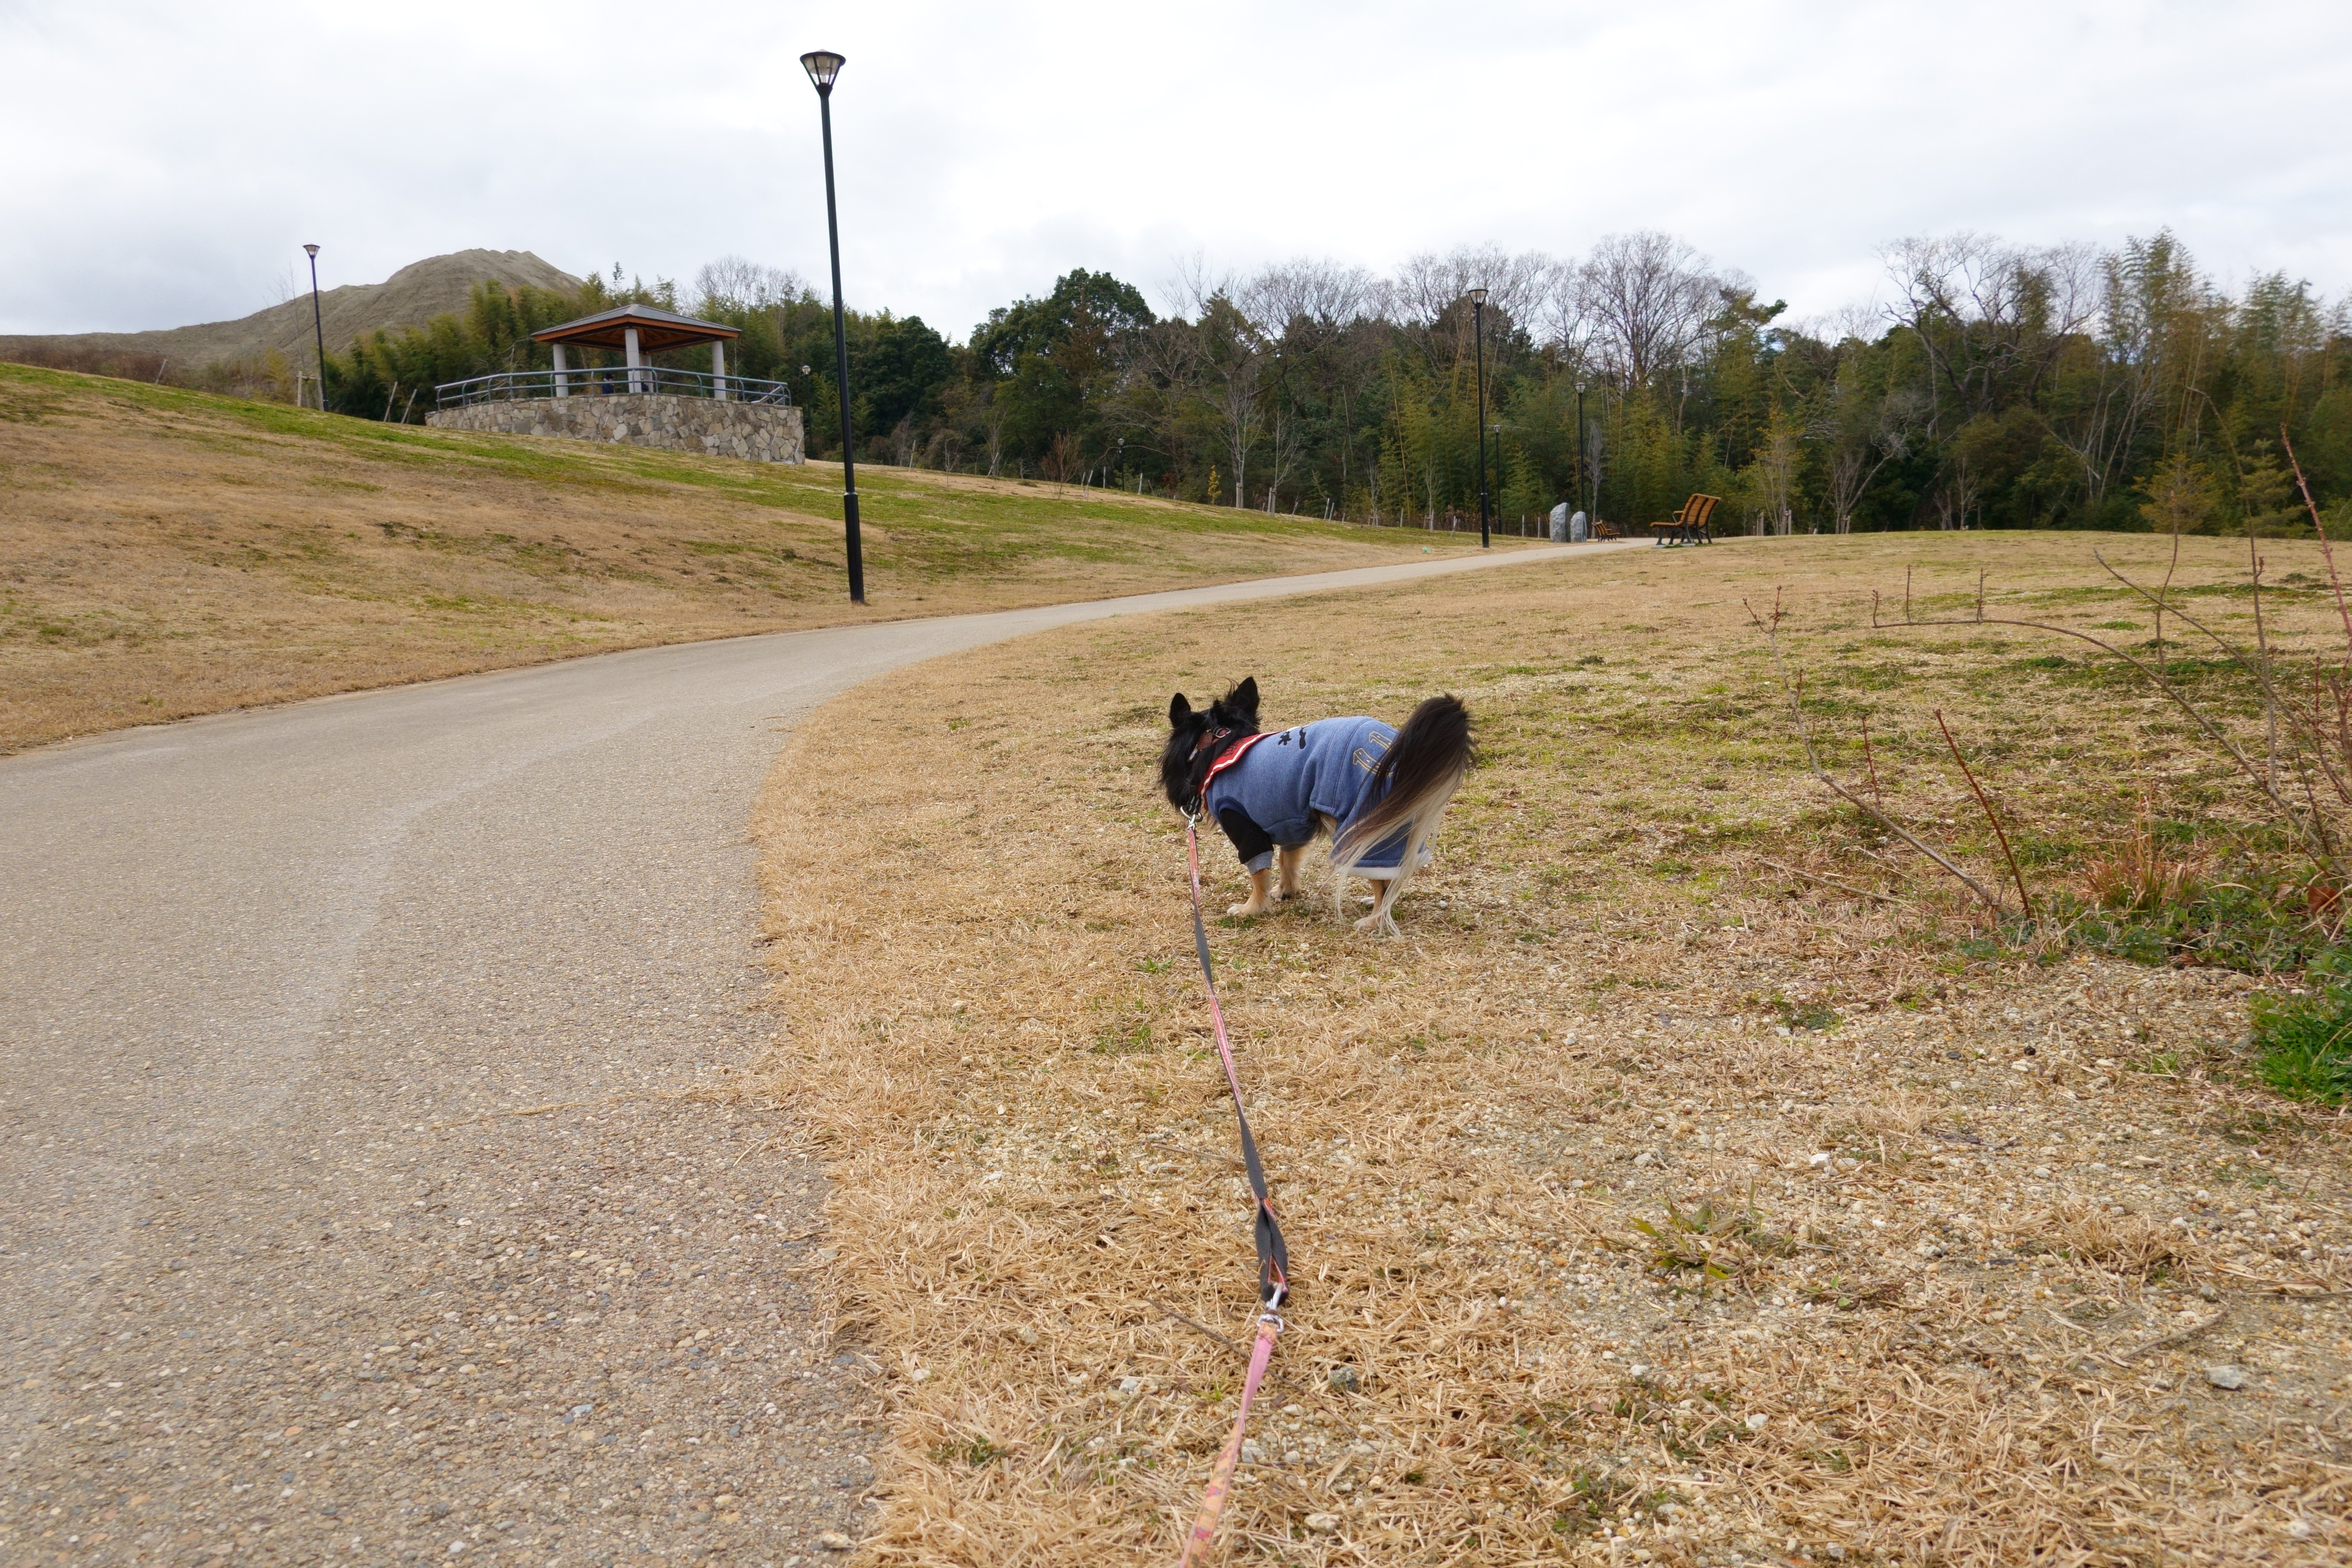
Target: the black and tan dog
pixel 1379 791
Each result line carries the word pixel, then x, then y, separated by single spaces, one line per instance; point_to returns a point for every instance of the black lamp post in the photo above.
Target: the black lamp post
pixel 318 323
pixel 1583 439
pixel 1486 518
pixel 823 66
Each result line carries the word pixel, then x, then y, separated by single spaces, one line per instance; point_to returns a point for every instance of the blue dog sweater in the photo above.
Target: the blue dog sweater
pixel 1272 796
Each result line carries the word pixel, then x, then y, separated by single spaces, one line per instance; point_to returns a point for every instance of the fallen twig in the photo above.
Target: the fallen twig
pixel 1238 1349
pixel 2172 1341
pixel 1834 882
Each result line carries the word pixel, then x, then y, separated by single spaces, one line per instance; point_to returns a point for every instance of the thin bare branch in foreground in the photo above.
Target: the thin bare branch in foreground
pixel 1772 631
pixel 2025 898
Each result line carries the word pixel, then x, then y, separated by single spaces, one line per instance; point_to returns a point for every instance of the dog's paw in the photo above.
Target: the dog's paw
pixel 1288 893
pixel 1243 911
pixel 1378 925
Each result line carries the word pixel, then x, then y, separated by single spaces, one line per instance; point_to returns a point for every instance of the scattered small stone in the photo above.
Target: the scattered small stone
pixel 1343 1380
pixel 1646 1157
pixel 1323 1523
pixel 1128 1388
pixel 1641 1372
pixel 2226 1376
pixel 834 1540
pixel 1293 1411
pixel 1757 1422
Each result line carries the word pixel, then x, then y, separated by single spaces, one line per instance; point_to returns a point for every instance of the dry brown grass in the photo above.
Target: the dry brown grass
pixel 1636 1136
pixel 165 553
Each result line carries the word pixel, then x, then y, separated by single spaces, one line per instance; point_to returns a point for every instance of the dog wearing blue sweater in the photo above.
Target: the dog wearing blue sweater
pixel 1379 791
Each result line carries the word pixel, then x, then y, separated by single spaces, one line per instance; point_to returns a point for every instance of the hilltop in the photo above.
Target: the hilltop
pixel 409 298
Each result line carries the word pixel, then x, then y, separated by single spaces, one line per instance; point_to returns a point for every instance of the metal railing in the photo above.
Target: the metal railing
pixel 611 380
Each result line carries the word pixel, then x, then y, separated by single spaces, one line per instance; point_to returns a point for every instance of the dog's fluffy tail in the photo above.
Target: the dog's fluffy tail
pixel 1422 768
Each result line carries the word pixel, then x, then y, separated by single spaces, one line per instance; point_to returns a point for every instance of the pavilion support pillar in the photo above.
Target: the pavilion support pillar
pixel 636 360
pixel 562 384
pixel 719 370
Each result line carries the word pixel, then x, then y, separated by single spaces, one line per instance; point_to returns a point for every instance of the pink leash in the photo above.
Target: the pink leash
pixel 1273 1257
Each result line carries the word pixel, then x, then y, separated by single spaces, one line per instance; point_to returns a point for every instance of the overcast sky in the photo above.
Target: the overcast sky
pixel 162 163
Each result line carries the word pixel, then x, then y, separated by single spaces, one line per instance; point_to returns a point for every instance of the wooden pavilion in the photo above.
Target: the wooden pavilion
pixel 638 331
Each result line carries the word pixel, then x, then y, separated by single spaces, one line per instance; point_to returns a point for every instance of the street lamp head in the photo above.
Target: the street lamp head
pixel 823 66
pixel 311 251
pixel 1478 296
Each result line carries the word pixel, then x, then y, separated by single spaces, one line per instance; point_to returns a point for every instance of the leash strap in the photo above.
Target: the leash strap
pixel 1273 1256
pixel 1221 1479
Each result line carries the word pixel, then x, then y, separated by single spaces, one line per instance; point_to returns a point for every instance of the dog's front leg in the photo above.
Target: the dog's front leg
pixel 1288 858
pixel 1260 880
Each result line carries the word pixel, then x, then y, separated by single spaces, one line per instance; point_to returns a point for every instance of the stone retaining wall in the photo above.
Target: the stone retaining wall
pixel 760 432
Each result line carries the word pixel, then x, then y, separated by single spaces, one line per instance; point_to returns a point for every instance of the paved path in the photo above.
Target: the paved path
pixel 295 1263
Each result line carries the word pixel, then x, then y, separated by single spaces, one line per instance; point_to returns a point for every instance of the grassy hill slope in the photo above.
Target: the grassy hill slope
pixel 166 552
pixel 409 298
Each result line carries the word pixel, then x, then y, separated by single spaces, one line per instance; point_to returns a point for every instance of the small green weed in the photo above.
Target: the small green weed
pixel 1845 1294
pixel 1592 1494
pixel 1716 1238
pixel 974 1452
pixel 2303 1043
pixel 2242 917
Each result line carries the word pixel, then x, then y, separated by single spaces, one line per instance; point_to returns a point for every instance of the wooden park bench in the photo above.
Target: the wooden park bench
pixel 1688 525
pixel 1605 530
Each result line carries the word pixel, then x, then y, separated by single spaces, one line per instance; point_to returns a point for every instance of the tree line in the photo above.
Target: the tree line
pixel 2000 385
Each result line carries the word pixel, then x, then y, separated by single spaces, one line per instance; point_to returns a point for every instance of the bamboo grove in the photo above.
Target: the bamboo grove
pixel 1994 386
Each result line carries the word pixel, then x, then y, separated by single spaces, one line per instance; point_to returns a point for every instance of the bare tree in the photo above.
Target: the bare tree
pixel 1957 497
pixel 733 282
pixel 1648 297
pixel 1991 316
pixel 1429 285
pixel 1304 309
pixel 2157 317
pixel 992 423
pixel 1558 318
pixel 1776 473
pixel 1866 434
pixel 1322 295
pixel 1231 360
pixel 1160 391
pixel 1285 443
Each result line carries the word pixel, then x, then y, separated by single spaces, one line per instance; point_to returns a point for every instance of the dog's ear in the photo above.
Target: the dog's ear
pixel 1180 712
pixel 1243 698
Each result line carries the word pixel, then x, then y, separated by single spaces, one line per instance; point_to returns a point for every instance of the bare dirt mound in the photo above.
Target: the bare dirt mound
pixel 409 298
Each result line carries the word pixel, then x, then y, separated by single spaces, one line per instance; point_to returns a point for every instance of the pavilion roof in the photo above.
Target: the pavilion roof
pixel 656 329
